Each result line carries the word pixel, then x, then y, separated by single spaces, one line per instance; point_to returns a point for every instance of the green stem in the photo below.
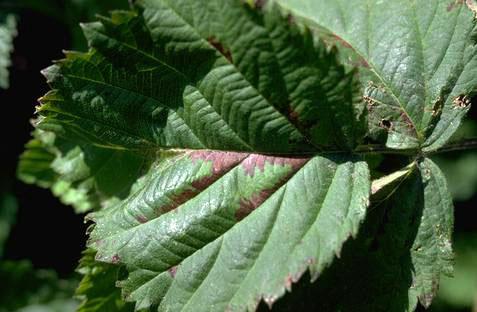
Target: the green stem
pixel 463 145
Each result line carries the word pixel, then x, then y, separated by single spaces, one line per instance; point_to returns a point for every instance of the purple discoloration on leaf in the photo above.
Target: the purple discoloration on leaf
pixel 141 219
pixel 255 161
pixel 219 46
pixel 289 282
pixel 115 259
pixel 222 162
pixel 172 271
pixel 454 4
pixel 248 205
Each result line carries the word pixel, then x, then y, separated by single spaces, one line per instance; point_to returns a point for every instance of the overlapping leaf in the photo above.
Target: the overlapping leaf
pixel 420 55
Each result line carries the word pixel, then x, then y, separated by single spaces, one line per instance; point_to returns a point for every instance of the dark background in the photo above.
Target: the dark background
pixel 46 232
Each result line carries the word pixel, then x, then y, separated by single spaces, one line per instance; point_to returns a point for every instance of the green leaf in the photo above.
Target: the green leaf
pixel 168 77
pixel 238 90
pixel 402 249
pixel 97 288
pixel 222 230
pixel 215 141
pixel 83 176
pixel 418 58
pixel 8 31
pixel 432 249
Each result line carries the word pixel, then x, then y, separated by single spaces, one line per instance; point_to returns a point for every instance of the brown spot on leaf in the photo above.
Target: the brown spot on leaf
pixel 259 4
pixel 141 219
pixel 172 271
pixel 386 124
pixel 293 115
pixel 219 46
pixel 407 120
pixel 290 19
pixel 289 282
pixel 221 161
pixel 256 161
pixel 343 42
pixel 115 259
pixel 454 4
pixel 461 101
pixel 179 199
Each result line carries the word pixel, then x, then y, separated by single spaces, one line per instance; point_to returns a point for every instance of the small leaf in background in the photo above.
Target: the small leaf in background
pixel 25 289
pixel 8 209
pixel 8 31
pixel 460 169
pixel 460 291
pixel 97 290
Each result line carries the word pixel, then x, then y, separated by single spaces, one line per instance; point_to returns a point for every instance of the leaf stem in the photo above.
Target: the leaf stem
pixel 462 145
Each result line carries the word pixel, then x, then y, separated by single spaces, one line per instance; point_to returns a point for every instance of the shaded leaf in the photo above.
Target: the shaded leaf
pixel 23 287
pixel 402 249
pixel 97 288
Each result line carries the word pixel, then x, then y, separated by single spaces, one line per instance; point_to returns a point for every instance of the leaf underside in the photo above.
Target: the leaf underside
pixel 214 142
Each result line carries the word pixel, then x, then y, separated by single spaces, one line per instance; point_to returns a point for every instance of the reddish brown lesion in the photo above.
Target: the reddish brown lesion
pixel 222 162
pixel 360 62
pixel 115 259
pixel 172 271
pixel 454 4
pixel 253 162
pixel 220 47
pixel 257 161
pixel 141 219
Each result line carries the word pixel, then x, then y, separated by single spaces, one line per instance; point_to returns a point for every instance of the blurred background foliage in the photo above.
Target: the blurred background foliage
pixel 37 269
